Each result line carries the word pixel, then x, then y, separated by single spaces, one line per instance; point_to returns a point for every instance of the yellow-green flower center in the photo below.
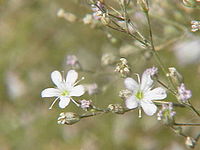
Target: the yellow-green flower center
pixel 139 95
pixel 65 93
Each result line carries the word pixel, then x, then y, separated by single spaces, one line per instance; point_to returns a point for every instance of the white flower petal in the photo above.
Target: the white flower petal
pixel 56 78
pixel 131 84
pixel 77 91
pixel 146 82
pixel 71 77
pixel 148 107
pixel 64 101
pixel 155 94
pixel 131 102
pixel 50 92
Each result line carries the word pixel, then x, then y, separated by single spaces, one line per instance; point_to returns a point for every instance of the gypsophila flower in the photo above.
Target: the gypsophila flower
pixel 152 71
pixel 143 95
pixel 184 94
pixel 65 90
pixel 85 104
pixel 166 112
pixel 195 25
pixel 72 61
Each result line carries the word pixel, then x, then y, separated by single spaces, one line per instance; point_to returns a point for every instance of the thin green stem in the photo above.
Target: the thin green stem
pixel 157 57
pixel 186 124
pixel 193 109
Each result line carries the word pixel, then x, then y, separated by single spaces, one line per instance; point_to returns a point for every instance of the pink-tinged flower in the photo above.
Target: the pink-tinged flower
pixel 65 90
pixel 84 104
pixel 142 95
pixel 167 112
pixel 72 60
pixel 184 94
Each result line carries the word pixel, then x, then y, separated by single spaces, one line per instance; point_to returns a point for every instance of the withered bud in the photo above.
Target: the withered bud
pixel 68 118
pixel 116 108
pixel 190 3
pixel 144 5
pixel 190 142
pixel 176 77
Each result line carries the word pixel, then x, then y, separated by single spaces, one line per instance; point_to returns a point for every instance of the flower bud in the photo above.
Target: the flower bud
pixel 190 142
pixel 116 108
pixel 68 118
pixel 123 68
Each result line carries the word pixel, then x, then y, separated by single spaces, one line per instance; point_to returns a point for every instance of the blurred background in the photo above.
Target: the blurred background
pixel 34 42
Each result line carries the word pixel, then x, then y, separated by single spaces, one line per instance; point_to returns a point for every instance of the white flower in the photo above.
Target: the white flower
pixel 66 88
pixel 143 95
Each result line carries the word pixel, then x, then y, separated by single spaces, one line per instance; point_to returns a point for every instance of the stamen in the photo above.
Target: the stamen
pixel 138 77
pixel 53 103
pixel 63 74
pixel 140 113
pixel 79 81
pixel 75 102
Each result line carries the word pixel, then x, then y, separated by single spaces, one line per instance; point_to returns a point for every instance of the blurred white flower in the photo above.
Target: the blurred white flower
pixel 142 95
pixel 91 88
pixel 66 88
pixel 188 52
pixel 15 86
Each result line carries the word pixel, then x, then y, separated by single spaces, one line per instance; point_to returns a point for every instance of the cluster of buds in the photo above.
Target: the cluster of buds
pixel 66 15
pixel 176 77
pixel 184 94
pixel 125 94
pixel 195 25
pixel 116 108
pixel 166 114
pixel 72 61
pixel 152 71
pixel 68 118
pixel 123 68
pixel 85 104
